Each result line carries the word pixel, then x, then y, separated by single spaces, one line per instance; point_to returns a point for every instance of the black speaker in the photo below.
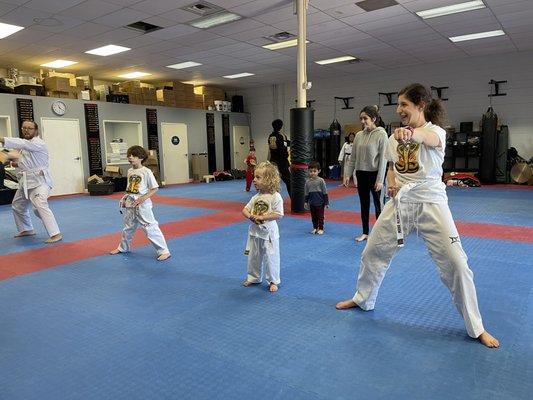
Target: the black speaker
pixel 237 104
pixel 466 127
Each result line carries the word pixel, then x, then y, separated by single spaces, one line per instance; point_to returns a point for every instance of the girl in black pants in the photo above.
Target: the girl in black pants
pixel 368 160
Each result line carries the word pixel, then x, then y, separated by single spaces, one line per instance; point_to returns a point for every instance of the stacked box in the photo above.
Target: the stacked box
pixel 56 84
pixel 210 93
pixel 167 97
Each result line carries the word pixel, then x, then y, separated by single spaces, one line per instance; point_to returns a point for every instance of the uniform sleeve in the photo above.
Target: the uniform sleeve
pixel 382 153
pixel 151 182
pixel 249 206
pixel 390 149
pixel 351 160
pixel 277 204
pixel 341 154
pixel 24 144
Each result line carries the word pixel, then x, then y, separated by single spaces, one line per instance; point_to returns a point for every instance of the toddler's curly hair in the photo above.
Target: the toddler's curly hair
pixel 270 176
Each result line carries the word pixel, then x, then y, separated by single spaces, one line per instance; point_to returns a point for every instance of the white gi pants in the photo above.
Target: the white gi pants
pixel 38 197
pixel 144 217
pixel 263 252
pixel 436 227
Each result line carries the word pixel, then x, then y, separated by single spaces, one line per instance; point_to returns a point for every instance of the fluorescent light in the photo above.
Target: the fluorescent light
pixel 59 64
pixel 133 75
pixel 480 35
pixel 215 19
pixel 456 8
pixel 335 60
pixel 7 29
pixel 186 64
pixel 108 50
pixel 282 45
pixel 244 74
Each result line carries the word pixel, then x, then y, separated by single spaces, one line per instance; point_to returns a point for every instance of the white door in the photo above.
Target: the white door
pixel 5 127
pixel 175 153
pixel 62 136
pixel 241 146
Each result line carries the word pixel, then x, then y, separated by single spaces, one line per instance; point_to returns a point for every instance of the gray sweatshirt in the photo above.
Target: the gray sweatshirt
pixel 369 151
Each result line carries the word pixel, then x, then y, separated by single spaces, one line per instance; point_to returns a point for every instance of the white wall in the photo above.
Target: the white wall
pixel 468 96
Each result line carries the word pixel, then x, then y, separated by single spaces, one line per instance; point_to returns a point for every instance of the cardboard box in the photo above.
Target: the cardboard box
pixel 113 171
pixel 152 158
pixel 95 179
pixel 56 84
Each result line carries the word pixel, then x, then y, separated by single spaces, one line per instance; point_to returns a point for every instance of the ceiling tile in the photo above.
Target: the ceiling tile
pixel 122 17
pixel 51 6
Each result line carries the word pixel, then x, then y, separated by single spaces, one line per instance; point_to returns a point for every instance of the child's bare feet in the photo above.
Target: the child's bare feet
pixel 25 233
pixel 344 305
pixel 488 340
pixel 248 283
pixel 273 287
pixel 116 251
pixel 54 238
pixel 163 257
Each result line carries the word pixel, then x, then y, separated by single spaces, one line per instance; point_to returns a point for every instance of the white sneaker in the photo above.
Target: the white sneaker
pixel 361 238
pixel 313 232
pixel 319 232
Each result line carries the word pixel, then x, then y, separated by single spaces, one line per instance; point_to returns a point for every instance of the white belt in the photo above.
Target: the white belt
pixel 23 181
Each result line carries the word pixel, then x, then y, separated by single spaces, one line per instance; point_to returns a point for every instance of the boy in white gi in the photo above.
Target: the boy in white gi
pixel 35 182
pixel 137 206
pixel 262 247
pixel 416 154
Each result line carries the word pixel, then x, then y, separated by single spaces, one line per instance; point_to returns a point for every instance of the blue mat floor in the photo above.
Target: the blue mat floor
pixel 128 327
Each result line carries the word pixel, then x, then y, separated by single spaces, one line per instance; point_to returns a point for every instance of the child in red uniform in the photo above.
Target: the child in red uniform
pixel 251 162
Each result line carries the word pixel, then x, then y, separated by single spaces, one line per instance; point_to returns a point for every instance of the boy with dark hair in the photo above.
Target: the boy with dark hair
pixel 316 197
pixel 137 206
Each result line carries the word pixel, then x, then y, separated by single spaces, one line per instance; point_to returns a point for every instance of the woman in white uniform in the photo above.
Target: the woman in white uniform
pixel 344 157
pixel 416 154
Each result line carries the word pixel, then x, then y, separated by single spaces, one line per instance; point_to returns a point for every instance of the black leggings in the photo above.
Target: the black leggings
pixel 366 181
pixel 285 173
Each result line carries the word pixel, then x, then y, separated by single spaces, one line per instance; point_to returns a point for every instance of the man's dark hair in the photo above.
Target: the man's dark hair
pixel 138 151
pixel 277 124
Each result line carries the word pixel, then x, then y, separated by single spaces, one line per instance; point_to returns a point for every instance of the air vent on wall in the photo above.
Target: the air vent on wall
pixel 143 27
pixel 373 5
pixel 202 8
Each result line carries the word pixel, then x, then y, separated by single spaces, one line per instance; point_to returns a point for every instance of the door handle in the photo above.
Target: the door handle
pixel 77 158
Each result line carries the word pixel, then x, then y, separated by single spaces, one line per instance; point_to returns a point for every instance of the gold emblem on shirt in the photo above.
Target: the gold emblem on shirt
pixel 407 158
pixel 260 208
pixel 134 181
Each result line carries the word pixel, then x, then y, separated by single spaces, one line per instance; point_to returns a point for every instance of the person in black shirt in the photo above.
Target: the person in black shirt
pixel 279 155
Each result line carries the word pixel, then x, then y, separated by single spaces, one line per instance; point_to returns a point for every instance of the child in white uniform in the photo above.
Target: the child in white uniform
pixel 262 247
pixel 416 154
pixel 137 206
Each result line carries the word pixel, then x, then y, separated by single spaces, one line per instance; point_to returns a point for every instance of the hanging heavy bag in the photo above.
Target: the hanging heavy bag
pixel 487 164
pixel 334 142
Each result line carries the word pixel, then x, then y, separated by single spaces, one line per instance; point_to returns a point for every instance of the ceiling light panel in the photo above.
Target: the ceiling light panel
pixel 474 36
pixel 108 50
pixel 242 75
pixel 215 20
pixel 134 75
pixel 187 64
pixel 335 60
pixel 282 45
pixel 453 9
pixel 7 29
pixel 59 64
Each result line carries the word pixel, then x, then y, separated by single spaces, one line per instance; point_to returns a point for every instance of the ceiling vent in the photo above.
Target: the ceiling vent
pixel 143 27
pixel 280 37
pixel 373 5
pixel 202 8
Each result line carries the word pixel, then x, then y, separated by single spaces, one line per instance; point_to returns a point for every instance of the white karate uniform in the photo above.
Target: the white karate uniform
pixel 421 204
pixel 140 181
pixel 262 247
pixel 35 184
pixel 344 157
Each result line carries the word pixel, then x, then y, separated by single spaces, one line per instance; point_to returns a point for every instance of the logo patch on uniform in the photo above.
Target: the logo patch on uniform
pixel 454 239
pixel 407 157
pixel 260 208
pixel 272 143
pixel 134 182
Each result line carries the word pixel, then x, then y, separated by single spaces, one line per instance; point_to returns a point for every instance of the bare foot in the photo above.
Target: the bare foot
pixel 116 251
pixel 25 233
pixel 273 288
pixel 488 340
pixel 54 239
pixel 344 305
pixel 361 238
pixel 248 283
pixel 163 257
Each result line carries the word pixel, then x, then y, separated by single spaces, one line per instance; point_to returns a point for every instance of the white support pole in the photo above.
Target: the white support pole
pixel 301 12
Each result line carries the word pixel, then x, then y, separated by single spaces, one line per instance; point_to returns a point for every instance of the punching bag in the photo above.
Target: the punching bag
pixel 487 162
pixel 302 129
pixel 334 144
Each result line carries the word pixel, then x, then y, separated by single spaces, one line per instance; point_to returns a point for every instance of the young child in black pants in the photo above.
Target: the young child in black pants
pixel 316 197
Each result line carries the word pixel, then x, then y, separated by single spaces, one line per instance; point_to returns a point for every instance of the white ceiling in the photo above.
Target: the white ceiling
pixel 383 39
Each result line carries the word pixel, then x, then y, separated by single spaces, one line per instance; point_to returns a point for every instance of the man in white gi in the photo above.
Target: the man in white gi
pixel 35 182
